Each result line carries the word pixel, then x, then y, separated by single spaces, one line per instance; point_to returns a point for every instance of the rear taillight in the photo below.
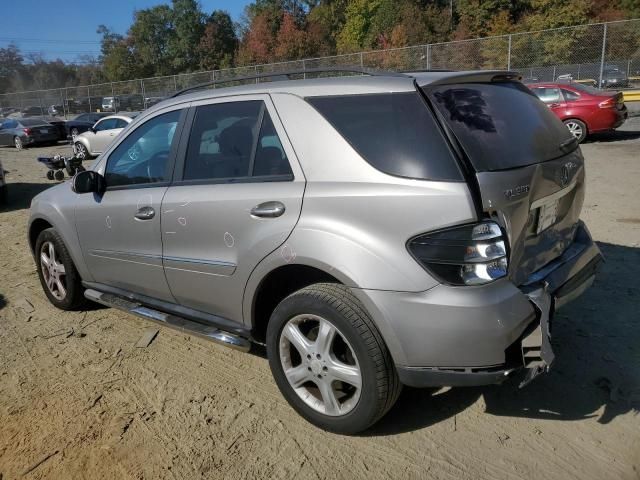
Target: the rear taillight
pixel 467 255
pixel 608 103
pixel 27 131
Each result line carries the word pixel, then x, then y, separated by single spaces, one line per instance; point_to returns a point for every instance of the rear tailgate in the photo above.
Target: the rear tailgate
pixel 527 167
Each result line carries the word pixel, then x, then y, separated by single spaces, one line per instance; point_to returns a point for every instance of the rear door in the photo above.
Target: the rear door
pixel 105 132
pixel 526 164
pixel 552 97
pixel 236 197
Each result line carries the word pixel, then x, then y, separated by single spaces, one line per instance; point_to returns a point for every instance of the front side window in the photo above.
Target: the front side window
pixel 226 137
pixel 143 156
pixel 108 124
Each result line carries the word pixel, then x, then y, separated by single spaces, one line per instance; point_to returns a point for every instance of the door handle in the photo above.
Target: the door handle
pixel 268 210
pixel 145 213
pixel 554 105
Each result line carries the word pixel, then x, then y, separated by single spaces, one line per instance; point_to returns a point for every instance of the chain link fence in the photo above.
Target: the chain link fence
pixel 604 55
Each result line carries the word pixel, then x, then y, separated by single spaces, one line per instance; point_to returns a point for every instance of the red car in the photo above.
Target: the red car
pixel 583 109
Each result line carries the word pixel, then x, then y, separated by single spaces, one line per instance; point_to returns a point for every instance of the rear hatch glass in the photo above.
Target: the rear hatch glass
pixel 501 125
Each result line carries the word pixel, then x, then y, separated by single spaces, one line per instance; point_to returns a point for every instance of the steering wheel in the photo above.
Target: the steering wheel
pixel 156 165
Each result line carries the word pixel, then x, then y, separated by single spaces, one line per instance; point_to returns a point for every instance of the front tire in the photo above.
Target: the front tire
pixel 329 359
pixel 58 275
pixel 81 151
pixel 577 128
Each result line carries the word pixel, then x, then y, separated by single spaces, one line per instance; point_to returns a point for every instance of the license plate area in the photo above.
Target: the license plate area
pixel 44 130
pixel 547 215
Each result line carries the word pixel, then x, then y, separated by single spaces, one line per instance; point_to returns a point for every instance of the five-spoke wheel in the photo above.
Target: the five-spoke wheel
pixel 53 271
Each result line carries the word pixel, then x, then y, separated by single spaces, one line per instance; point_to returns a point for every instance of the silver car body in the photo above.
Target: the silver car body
pixel 205 252
pixel 96 141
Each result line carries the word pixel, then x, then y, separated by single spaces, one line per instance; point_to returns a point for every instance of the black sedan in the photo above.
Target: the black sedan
pixel 82 123
pixel 23 132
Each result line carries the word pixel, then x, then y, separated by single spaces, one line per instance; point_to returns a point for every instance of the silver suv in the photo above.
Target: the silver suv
pixel 372 231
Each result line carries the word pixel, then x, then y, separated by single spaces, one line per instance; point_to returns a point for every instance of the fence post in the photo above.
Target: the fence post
pixel 429 57
pixel 89 98
pixel 213 78
pixel 113 95
pixel 604 49
pixel 509 54
pixel 144 100
pixel 304 69
pixel 361 61
pixel 175 84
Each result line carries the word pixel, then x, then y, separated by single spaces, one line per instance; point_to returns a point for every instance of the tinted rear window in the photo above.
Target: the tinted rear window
pixel 500 125
pixel 32 122
pixel 395 132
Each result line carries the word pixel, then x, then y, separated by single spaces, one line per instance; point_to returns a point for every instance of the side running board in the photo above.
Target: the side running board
pixel 182 324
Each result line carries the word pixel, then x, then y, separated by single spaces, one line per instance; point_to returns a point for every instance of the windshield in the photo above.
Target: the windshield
pixel 500 125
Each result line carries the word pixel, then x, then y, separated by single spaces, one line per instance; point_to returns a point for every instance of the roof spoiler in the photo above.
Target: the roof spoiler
pixel 476 76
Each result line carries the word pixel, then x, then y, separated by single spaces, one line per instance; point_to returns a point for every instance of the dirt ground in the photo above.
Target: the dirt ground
pixel 78 400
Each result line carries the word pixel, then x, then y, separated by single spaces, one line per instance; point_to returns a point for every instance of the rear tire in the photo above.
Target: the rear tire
pixel 59 278
pixel 344 384
pixel 17 142
pixel 577 128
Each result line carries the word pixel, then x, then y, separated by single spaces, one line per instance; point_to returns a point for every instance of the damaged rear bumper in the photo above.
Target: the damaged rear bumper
pixel 548 289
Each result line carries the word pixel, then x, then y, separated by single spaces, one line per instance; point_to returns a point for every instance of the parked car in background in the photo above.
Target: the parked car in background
pixel 94 141
pixel 6 111
pixel 614 77
pixel 583 109
pixel 110 104
pixel 25 132
pixel 58 123
pixel 371 231
pixel 55 110
pixel 33 112
pixel 82 123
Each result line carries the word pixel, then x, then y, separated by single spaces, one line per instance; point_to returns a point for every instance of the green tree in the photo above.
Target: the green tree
pixel 219 43
pixel 150 38
pixel 10 63
pixel 188 21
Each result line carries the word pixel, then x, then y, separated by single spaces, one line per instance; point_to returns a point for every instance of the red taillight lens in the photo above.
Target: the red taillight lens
pixel 608 103
pixel 27 131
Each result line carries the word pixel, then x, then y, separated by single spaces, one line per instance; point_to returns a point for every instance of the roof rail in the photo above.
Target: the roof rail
pixel 288 73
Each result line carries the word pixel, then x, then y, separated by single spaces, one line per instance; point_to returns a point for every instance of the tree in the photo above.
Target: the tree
pixel 10 62
pixel 357 29
pixel 291 40
pixel 219 43
pixel 189 24
pixel 150 37
pixel 257 43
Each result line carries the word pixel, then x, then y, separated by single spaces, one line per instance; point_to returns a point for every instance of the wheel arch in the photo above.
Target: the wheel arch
pixel 275 286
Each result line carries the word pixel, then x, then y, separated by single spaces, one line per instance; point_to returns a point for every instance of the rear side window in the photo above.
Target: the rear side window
pixel 500 125
pixel 569 95
pixel 395 132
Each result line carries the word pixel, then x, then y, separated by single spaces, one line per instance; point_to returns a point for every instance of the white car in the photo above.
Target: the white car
pixel 95 140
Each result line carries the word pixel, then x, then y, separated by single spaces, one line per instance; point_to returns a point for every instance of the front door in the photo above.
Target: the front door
pixel 236 196
pixel 120 231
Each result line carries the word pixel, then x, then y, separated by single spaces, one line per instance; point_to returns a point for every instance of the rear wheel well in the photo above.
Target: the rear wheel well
pixel 36 228
pixel 276 286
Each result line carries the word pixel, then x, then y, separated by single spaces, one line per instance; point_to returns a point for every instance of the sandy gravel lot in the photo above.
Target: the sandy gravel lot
pixel 78 400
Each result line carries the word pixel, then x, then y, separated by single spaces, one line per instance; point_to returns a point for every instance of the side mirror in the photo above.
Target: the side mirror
pixel 88 182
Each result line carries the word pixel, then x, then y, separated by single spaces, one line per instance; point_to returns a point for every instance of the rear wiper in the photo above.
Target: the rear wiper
pixel 567 144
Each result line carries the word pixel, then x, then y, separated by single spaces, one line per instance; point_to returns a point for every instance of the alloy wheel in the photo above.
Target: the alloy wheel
pixel 575 129
pixel 18 143
pixel 53 271
pixel 320 365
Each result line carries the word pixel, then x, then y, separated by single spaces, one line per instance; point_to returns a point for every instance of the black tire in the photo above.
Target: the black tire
pixel 74 298
pixel 81 151
pixel 50 174
pixel 380 384
pixel 74 133
pixel 574 125
pixel 17 142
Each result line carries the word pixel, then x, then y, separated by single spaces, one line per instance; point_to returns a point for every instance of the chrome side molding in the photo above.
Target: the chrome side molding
pixel 173 321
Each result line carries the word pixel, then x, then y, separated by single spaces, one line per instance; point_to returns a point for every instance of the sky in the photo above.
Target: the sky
pixel 67 29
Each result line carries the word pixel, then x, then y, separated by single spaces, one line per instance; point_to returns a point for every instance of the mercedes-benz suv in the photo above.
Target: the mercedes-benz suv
pixel 372 231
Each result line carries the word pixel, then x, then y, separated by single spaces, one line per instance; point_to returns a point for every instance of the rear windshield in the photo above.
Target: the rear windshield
pixel 32 122
pixel 395 132
pixel 501 125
